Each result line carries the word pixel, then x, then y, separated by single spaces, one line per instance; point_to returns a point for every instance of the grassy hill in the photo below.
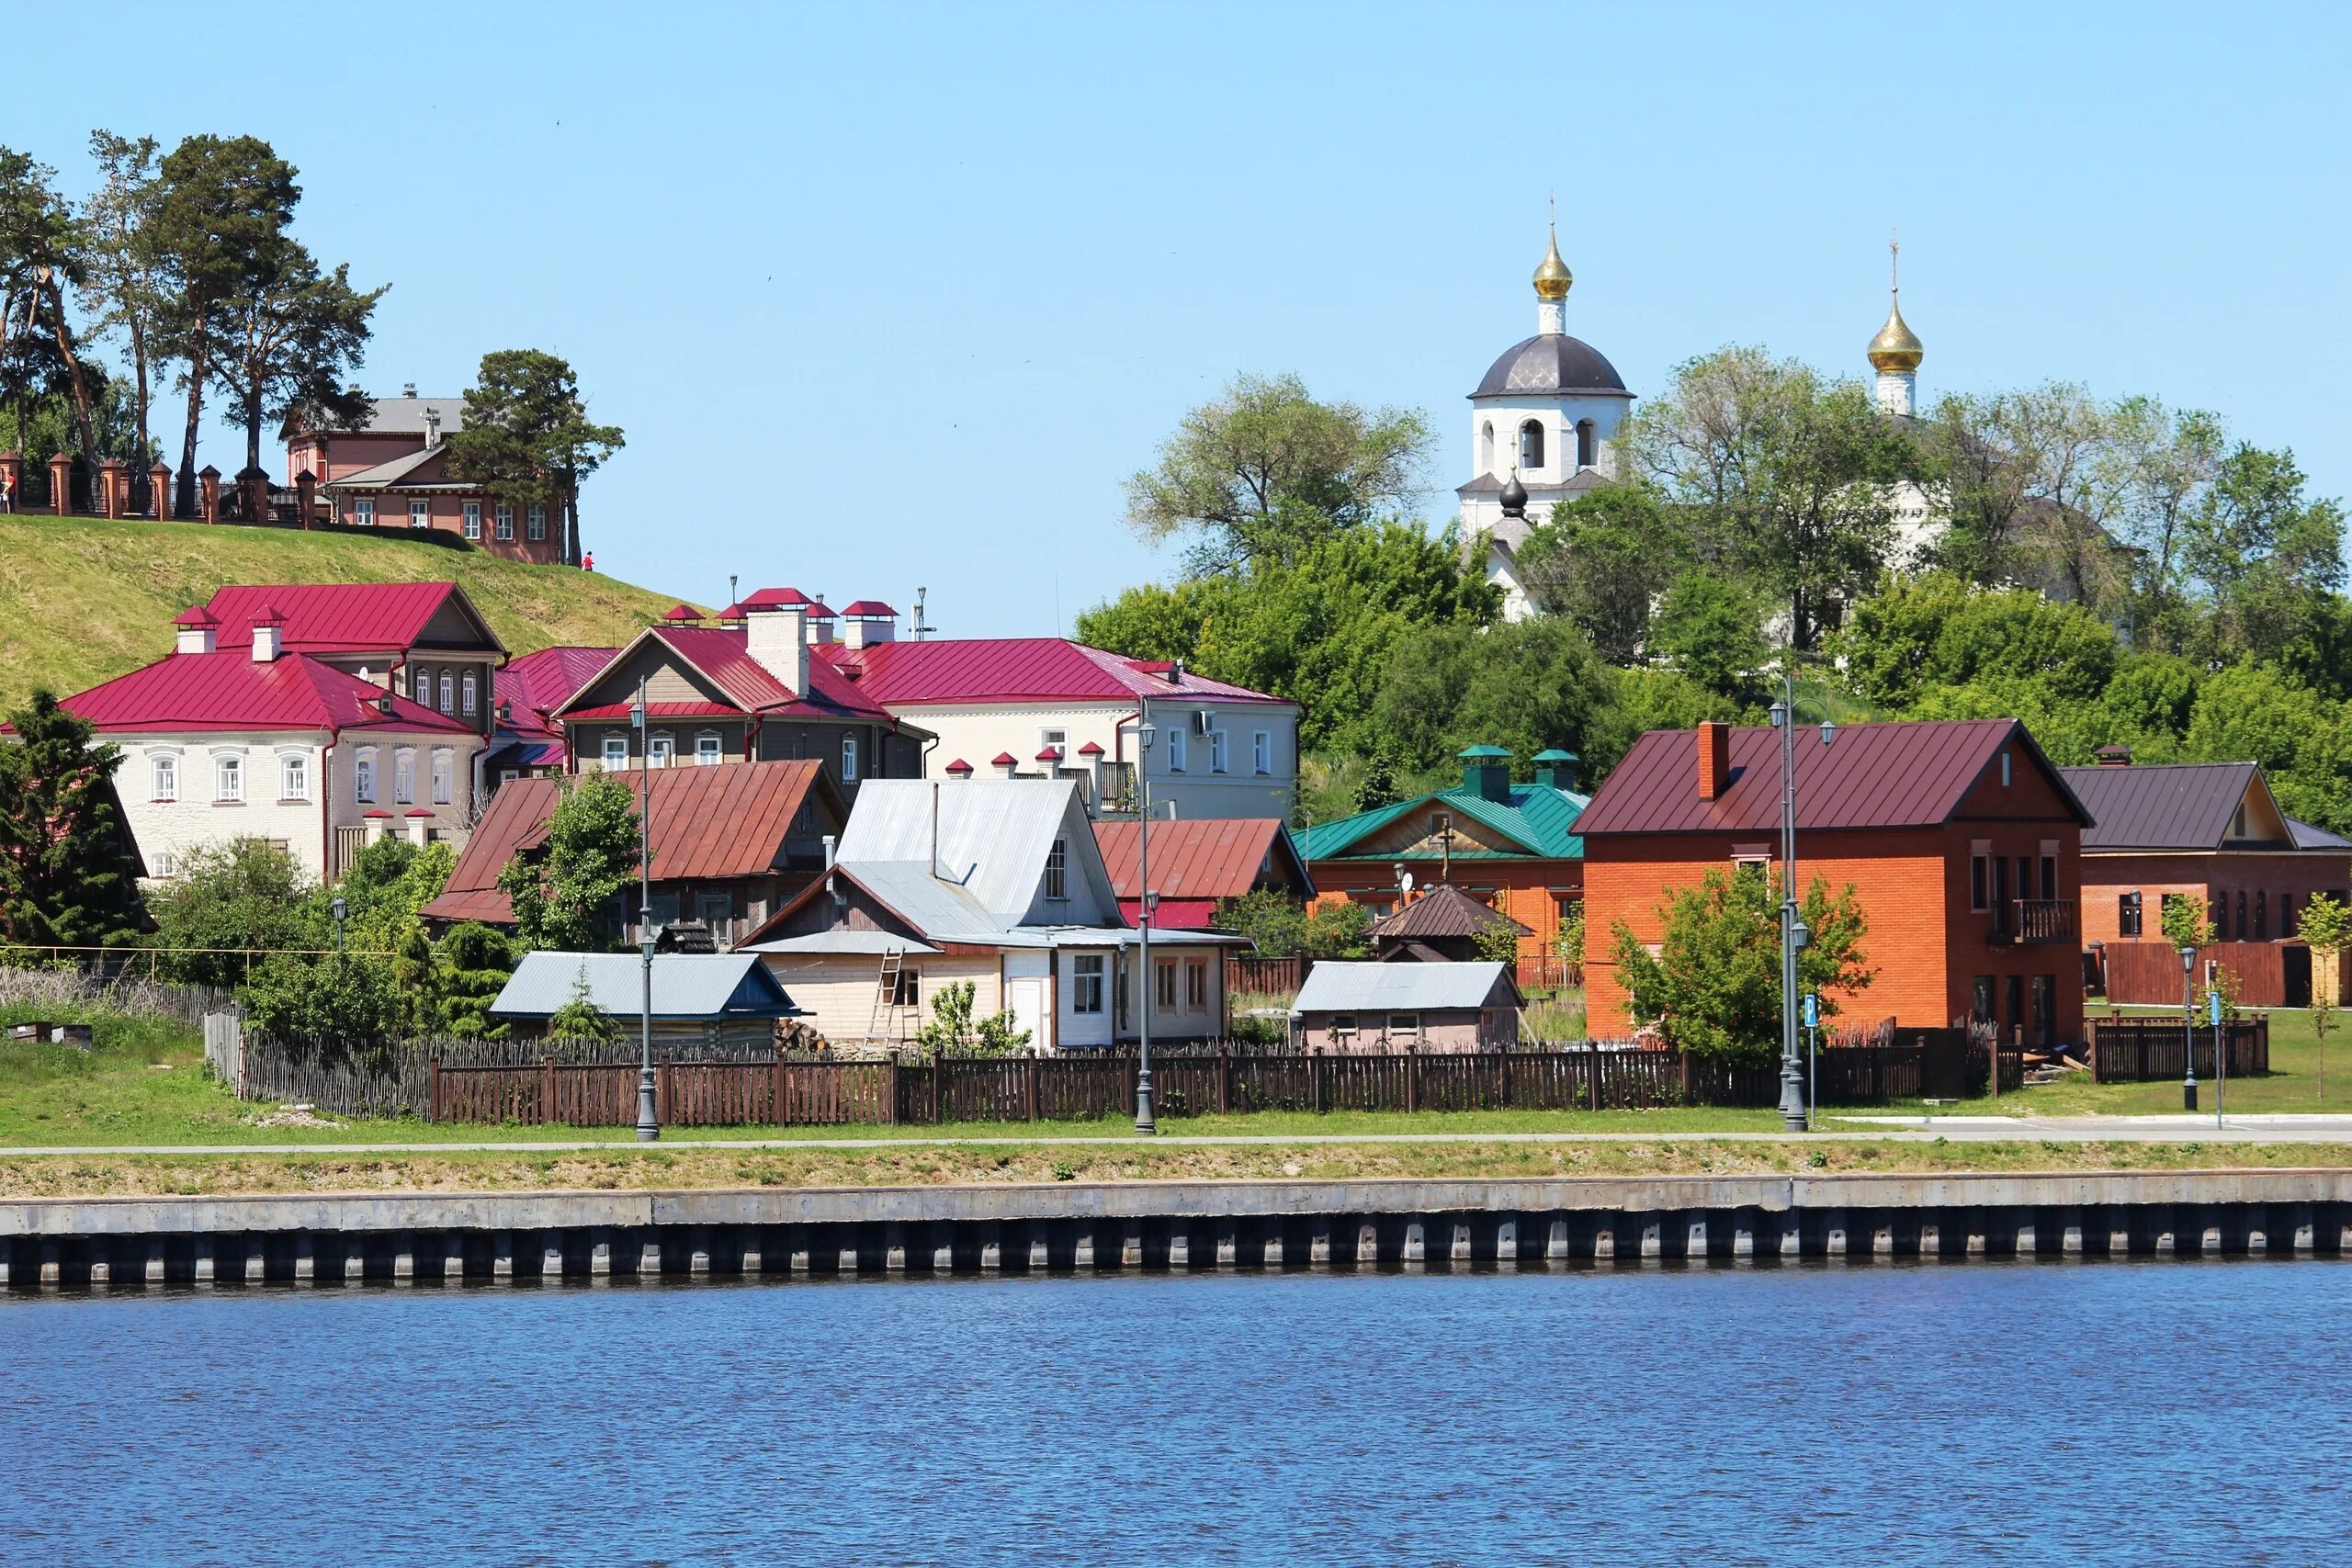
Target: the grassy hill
pixel 83 600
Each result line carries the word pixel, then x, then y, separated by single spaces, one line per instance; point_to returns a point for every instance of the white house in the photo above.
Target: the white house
pixel 996 882
pixel 256 743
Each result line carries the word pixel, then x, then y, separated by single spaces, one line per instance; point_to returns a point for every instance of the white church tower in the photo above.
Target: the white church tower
pixel 1540 425
pixel 1895 353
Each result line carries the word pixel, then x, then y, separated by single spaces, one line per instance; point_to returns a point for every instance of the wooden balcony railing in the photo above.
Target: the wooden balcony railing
pixel 2035 922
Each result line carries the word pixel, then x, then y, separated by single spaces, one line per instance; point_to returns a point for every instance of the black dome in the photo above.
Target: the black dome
pixel 1550 362
pixel 1514 496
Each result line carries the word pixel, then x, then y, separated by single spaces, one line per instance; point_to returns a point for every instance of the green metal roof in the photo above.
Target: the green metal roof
pixel 1480 753
pixel 1542 820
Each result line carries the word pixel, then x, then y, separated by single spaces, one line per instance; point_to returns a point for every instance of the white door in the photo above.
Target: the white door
pixel 1025 998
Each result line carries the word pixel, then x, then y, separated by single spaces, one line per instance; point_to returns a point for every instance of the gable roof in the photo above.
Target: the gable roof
pixel 393 469
pixel 993 835
pixel 536 684
pixel 1445 911
pixel 227 691
pixel 1546 823
pixel 1033 669
pixel 730 819
pixel 2309 838
pixel 343 617
pixel 721 655
pixel 2177 806
pixel 686 985
pixel 1907 775
pixel 1355 984
pixel 399 416
pixel 1199 857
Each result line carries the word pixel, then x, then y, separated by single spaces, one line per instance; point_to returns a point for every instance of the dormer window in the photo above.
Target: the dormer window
pixel 1057 870
pixel 1531 446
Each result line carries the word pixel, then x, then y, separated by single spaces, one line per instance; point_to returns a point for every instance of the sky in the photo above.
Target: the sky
pixel 888 296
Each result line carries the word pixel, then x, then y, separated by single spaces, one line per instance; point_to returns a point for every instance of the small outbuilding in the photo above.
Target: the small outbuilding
pixel 722 998
pixel 1375 1007
pixel 1441 925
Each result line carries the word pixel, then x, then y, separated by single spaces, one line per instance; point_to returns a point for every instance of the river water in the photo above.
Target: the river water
pixel 2101 1413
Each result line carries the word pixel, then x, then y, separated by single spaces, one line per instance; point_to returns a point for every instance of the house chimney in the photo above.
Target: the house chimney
pixel 197 630
pixel 408 389
pixel 1486 773
pixel 432 428
pixel 1714 759
pixel 867 622
pixel 1555 769
pixel 822 621
pixel 959 770
pixel 2113 756
pixel 268 628
pixel 775 636
pixel 1176 673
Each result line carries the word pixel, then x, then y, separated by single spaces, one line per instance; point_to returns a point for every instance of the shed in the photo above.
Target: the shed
pixel 1441 925
pixel 718 998
pixel 1442 1006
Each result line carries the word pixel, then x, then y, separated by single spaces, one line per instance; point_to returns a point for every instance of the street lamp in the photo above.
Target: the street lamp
pixel 1795 1115
pixel 1144 1123
pixel 649 1119
pixel 2188 1027
pixel 338 910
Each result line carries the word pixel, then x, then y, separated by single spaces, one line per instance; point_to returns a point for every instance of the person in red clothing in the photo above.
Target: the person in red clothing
pixel 588 562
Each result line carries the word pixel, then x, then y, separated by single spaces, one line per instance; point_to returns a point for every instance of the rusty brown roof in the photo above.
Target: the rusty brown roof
pixel 516 820
pixel 1445 911
pixel 1905 774
pixel 1203 857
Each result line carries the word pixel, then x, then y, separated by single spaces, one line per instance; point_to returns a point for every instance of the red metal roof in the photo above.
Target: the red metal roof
pixel 1002 758
pixel 1092 748
pixel 681 612
pixel 195 616
pixel 659 710
pixel 871 607
pixel 516 820
pixel 538 683
pixel 721 654
pixel 959 766
pixel 1171 914
pixel 228 691
pixel 335 617
pixel 1201 857
pixel 1874 775
pixel 1050 755
pixel 1013 669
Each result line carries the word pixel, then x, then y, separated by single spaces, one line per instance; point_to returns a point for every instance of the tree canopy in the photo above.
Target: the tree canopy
pixel 528 437
pixel 566 895
pixel 66 873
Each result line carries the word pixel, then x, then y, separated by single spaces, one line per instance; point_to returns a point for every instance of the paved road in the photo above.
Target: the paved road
pixel 2266 1129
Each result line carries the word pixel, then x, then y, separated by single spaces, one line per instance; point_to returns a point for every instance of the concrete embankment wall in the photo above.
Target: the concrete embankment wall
pixel 119 1243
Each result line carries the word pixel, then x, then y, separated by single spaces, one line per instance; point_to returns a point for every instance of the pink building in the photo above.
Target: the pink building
pixel 393 472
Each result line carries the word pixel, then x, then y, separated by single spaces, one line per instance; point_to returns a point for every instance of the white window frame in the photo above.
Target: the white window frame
pixel 362 776
pixel 469 692
pixel 849 759
pixel 228 778
pixel 404 776
pixel 1218 756
pixel 420 513
pixel 420 686
pixel 1405 1026
pixel 444 776
pixel 362 512
pixel 615 753
pixel 473 519
pixel 163 777
pixel 535 520
pixel 165 867
pixel 1086 984
pixel 505 520
pixel 1261 753
pixel 1057 879
pixel 659 751
pixel 708 752
pixel 294 776
pixel 449 692
pixel 1058 739
pixel 1175 750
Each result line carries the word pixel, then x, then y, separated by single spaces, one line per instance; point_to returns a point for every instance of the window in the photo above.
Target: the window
pixel 448 693
pixel 362 512
pixel 537 521
pixel 906 988
pixel 506 775
pixel 444 781
pixel 1979 888
pixel 2127 915
pixel 1405 1028
pixel 2000 894
pixel 2005 770
pixel 615 753
pixel 2241 914
pixel 659 752
pixel 1163 983
pixel 2238 823
pixel 467 693
pixel 1175 751
pixel 1587 443
pixel 2286 916
pixel 505 521
pixel 294 776
pixel 2262 917
pixel 2045 1013
pixel 420 515
pixel 421 685
pixel 1056 740
pixel 1531 446
pixel 166 864
pixel 1196 983
pixel 229 780
pixel 1058 870
pixel 1749 864
pixel 403 778
pixel 363 779
pixel 2016 999
pixel 1261 753
pixel 1343 1026
pixel 705 750
pixel 1216 752
pixel 849 757
pixel 2050 877
pixel 163 772
pixel 1487 448
pixel 1086 989
pixel 473 520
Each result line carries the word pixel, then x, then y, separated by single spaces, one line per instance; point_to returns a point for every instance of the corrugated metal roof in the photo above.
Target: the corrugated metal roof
pixel 2182 806
pixel 1336 986
pixel 2309 838
pixel 1911 774
pixel 1171 912
pixel 993 835
pixel 986 670
pixel 341 618
pixel 391 471
pixel 1443 911
pixel 538 683
pixel 227 691
pixel 719 652
pixel 1544 822
pixel 516 820
pixel 1200 857
pixel 844 940
pixel 686 986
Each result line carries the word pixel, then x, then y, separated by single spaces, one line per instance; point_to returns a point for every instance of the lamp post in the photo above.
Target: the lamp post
pixel 1144 1123
pixel 649 1119
pixel 1795 1114
pixel 2188 1027
pixel 338 910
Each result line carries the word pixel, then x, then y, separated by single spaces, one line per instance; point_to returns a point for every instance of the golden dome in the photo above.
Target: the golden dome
pixel 1897 347
pixel 1553 278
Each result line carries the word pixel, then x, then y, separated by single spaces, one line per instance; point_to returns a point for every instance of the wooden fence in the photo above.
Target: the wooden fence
pixel 2142 1050
pixel 2269 974
pixel 1265 975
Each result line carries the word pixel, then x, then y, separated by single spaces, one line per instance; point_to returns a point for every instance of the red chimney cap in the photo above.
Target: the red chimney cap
pixel 1005 759
pixel 681 612
pixel 959 766
pixel 375 811
pixel 1050 755
pixel 269 616
pixel 820 611
pixel 196 615
pixel 417 811
pixel 870 608
pixel 1092 748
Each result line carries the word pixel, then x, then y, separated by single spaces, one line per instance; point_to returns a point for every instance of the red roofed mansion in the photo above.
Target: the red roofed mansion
pixel 246 737
pixel 1963 843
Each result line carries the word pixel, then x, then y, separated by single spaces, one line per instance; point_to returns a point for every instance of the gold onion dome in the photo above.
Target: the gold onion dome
pixel 1553 278
pixel 1897 347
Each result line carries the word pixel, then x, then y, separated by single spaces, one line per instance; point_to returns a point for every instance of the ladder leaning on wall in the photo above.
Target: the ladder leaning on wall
pixel 886 995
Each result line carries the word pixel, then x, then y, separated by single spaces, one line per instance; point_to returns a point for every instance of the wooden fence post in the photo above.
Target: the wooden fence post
pixel 890 1091
pixel 1413 1079
pixel 1029 1085
pixel 776 1108
pixel 661 1092
pixel 1502 1068
pixel 1314 1067
pixel 432 1088
pixel 547 1089
pixel 1592 1071
pixel 1224 1081
pixel 938 1071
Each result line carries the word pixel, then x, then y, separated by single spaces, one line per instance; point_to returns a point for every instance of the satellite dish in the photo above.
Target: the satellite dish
pixel 1405 883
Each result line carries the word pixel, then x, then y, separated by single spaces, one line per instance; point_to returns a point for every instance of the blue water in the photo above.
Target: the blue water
pixel 2124 1413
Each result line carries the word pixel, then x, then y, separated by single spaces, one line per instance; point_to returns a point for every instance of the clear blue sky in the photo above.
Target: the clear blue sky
pixel 894 295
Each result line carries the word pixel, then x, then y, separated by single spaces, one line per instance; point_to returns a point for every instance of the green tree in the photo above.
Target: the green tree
pixel 41 256
pixel 1709 629
pixel 221 221
pixel 2183 919
pixel 528 437
pixel 1714 988
pixel 1602 559
pixel 2325 927
pixel 2253 712
pixel 566 895
pixel 128 281
pixel 581 1019
pixel 951 1026
pixel 474 963
pixel 1523 685
pixel 228 903
pixel 349 1002
pixel 1279 926
pixel 2031 488
pixel 1919 633
pixel 2266 557
pixel 286 343
pixel 1265 471
pixel 66 873
pixel 1496 943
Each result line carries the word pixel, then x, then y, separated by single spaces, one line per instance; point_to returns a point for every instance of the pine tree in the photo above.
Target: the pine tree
pixel 66 875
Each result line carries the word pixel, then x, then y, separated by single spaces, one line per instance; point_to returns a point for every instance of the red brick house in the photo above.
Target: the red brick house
pixel 1963 842
pixel 393 472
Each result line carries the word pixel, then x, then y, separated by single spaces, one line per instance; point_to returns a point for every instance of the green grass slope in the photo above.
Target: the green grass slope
pixel 83 600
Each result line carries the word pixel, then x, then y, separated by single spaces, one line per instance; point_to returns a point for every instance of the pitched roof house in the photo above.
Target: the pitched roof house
pixel 1961 841
pixel 393 472
pixel 527 742
pixel 424 639
pixel 1512 846
pixel 995 881
pixel 715 998
pixel 1442 1006
pixel 1198 862
pixel 731 844
pixel 249 739
pixel 1443 925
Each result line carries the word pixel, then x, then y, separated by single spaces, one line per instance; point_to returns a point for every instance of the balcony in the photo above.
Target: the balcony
pixel 2034 922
